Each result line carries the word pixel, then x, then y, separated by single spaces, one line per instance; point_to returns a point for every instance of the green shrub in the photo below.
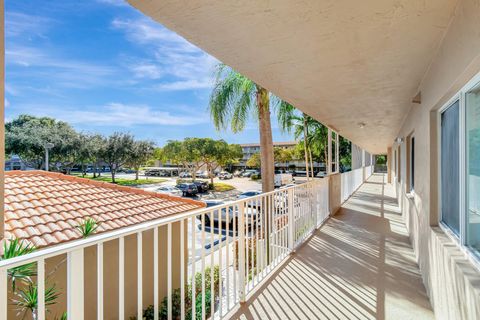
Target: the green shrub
pixel 198 307
pixel 176 298
pixel 255 177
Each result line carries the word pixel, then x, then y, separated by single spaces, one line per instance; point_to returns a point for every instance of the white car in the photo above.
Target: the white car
pixel 170 190
pixel 225 175
pixel 250 214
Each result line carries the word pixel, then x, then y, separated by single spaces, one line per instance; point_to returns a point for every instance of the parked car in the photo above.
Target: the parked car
pixel 321 174
pixel 225 175
pixel 250 214
pixel 238 173
pixel 248 194
pixel 249 173
pixel 185 175
pixel 188 189
pixel 202 186
pixel 170 190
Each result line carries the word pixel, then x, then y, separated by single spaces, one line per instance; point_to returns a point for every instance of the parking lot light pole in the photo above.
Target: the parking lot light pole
pixel 47 146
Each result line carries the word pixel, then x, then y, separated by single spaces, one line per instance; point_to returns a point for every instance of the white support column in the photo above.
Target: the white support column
pixel 337 152
pixel 329 152
pixel 75 290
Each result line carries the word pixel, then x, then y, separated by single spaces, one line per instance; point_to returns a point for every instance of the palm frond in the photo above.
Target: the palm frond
pixel 231 99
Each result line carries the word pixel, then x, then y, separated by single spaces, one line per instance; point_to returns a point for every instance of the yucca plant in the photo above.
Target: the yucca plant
pixel 88 227
pixel 26 299
pixel 15 248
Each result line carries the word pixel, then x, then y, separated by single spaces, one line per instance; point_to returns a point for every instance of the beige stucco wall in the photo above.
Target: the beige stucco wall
pixel 111 275
pixel 451 279
pixel 334 192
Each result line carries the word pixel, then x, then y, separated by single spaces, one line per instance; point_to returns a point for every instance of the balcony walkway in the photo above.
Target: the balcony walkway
pixel 359 265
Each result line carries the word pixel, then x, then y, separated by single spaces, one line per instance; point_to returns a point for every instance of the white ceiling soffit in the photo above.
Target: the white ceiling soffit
pixel 346 63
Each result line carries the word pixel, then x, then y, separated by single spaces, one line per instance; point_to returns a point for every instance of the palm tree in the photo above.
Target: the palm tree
pixel 234 99
pixel 289 119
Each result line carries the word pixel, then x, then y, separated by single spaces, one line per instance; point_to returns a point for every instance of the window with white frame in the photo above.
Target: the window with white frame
pixel 472 101
pixel 411 163
pixel 333 151
pixel 459 167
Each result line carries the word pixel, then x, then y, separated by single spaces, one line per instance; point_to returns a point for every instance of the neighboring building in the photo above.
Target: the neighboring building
pixel 16 163
pixel 249 149
pixel 45 209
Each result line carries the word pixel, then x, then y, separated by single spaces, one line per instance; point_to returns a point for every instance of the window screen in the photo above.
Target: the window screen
pixel 473 169
pixel 449 157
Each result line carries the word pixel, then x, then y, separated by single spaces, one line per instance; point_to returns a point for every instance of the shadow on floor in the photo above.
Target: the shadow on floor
pixel 359 265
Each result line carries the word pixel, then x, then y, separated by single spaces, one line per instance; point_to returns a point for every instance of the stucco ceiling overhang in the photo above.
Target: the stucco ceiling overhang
pixel 346 63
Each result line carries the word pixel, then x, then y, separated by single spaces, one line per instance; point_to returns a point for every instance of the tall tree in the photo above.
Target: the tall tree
pixel 140 152
pixel 234 100
pixel 27 135
pixel 117 151
pixel 186 153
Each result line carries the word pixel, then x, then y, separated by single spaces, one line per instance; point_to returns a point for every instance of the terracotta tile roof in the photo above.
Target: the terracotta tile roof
pixel 44 208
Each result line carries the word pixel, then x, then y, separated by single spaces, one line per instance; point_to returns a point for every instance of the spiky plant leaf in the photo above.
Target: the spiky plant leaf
pixel 88 227
pixel 15 248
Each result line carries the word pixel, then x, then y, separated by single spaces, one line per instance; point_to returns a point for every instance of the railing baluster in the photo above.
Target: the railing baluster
pixel 257 217
pixel 220 229
pixel 139 276
pixel 227 258
pixel 245 240
pixel 182 269
pixel 252 244
pixel 212 253
pixel 155 274
pixel 241 251
pixel 3 293
pixel 121 278
pixel 41 289
pixel 235 257
pixel 203 266
pixel 169 271
pixel 100 281
pixel 194 262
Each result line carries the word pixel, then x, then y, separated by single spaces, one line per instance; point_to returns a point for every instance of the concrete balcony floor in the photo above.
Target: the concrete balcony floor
pixel 359 265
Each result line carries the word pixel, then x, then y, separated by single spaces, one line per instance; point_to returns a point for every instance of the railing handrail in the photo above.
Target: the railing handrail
pixel 123 232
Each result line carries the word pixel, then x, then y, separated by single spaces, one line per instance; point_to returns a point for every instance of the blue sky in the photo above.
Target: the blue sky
pixel 103 66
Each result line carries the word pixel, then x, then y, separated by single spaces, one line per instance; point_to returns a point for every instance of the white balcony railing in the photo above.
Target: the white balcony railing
pixel 246 239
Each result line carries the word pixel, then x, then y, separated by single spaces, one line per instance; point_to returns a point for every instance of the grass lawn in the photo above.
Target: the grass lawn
pixel 222 187
pixel 123 181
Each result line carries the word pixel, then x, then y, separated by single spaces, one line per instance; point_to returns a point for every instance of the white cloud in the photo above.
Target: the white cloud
pixel 21 24
pixel 147 70
pixel 176 62
pixel 120 115
pixel 57 70
pixel 118 3
pixel 7 103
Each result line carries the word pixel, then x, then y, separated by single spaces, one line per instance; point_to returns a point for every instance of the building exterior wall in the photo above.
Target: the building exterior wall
pixel 451 277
